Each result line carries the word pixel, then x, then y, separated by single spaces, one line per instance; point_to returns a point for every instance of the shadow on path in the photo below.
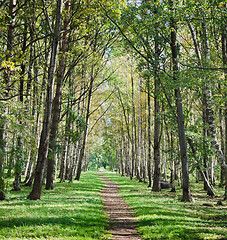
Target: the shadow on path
pixel 120 214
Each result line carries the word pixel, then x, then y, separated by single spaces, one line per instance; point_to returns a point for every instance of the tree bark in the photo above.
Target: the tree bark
pixel 44 139
pixel 180 119
pixel 121 153
pixel 110 154
pixel 82 150
pixel 56 106
pixel 224 59
pixel 149 133
pixel 72 170
pixel 135 163
pixel 130 170
pixel 2 148
pixel 19 152
pixel 10 41
pixel 156 177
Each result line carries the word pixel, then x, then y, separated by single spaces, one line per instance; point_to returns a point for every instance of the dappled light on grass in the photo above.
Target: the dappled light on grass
pixel 160 215
pixel 70 211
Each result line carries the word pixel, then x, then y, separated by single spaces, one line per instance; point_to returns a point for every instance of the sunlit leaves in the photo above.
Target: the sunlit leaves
pixel 9 65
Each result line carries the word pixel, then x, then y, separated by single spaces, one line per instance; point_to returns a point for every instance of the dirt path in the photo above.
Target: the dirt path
pixel 121 217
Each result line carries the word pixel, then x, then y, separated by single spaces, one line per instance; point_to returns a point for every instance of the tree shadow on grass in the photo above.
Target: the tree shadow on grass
pixel 83 221
pixel 163 228
pixel 83 224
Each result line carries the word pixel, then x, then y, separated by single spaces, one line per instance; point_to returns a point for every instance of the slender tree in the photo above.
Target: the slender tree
pixel 57 102
pixel 180 118
pixel 44 140
pixel 7 80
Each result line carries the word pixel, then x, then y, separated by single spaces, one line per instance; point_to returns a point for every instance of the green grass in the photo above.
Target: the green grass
pixel 162 216
pixel 70 211
pixel 75 211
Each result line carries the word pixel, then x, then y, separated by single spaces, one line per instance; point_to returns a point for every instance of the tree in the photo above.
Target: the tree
pixel 57 103
pixel 180 119
pixel 7 82
pixel 44 140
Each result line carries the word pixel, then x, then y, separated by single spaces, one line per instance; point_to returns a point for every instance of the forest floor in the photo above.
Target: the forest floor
pixel 161 215
pixel 76 211
pixel 121 216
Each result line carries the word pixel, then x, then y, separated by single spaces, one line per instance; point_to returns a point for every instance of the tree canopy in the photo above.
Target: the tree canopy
pixel 138 87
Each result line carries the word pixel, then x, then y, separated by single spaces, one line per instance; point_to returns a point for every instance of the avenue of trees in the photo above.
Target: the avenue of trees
pixel 136 86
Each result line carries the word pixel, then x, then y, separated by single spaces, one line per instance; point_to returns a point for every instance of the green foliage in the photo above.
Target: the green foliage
pixel 102 154
pixel 79 125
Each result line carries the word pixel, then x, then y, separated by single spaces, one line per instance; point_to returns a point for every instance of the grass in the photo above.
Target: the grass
pixel 162 216
pixel 75 211
pixel 70 211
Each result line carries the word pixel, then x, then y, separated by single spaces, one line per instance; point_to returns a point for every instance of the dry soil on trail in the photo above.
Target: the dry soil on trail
pixel 121 217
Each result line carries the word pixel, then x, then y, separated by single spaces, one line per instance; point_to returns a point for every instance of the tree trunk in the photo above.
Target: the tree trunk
pixel 56 106
pixel 224 59
pixel 19 152
pixel 110 154
pixel 205 143
pixel 44 139
pixel 149 134
pixel 156 177
pixel 28 168
pixel 222 177
pixel 121 156
pixel 63 160
pixel 82 150
pixel 135 158
pixel 2 155
pixel 10 40
pixel 209 189
pixel 72 170
pixel 180 119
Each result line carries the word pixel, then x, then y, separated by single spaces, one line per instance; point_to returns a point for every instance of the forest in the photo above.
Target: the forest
pixel 134 87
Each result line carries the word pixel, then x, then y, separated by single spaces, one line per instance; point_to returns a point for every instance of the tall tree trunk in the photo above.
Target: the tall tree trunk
pixel 224 59
pixel 222 133
pixel 10 41
pixel 110 154
pixel 225 196
pixel 56 105
pixel 29 166
pixel 205 143
pixel 134 131
pixel 156 176
pixel 212 128
pixel 130 169
pixel 19 152
pixel 82 150
pixel 180 118
pixel 63 158
pixel 2 155
pixel 139 137
pixel 44 139
pixel 121 153
pixel 149 133
pixel 205 55
pixel 72 170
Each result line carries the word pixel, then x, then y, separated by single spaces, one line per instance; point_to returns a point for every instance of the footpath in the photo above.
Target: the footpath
pixel 121 217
